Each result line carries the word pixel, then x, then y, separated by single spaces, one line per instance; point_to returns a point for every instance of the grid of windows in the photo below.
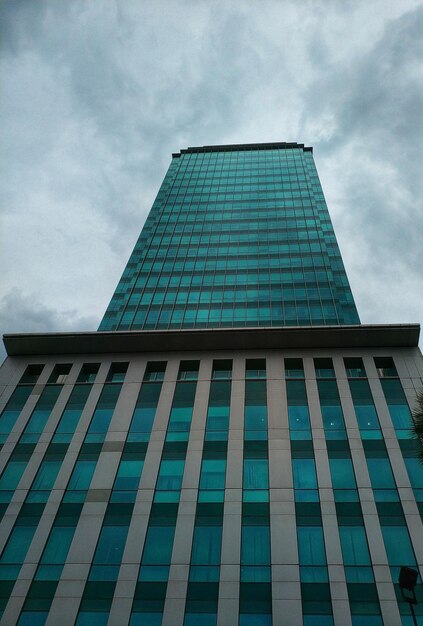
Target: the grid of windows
pixel 235 238
pixel 311 390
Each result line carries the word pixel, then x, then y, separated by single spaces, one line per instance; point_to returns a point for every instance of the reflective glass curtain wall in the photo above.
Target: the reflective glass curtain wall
pixel 237 236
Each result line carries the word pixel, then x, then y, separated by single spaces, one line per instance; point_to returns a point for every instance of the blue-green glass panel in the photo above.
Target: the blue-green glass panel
pixel 206 545
pixel 73 410
pixel 213 474
pixel 104 410
pixel 304 474
pixel 128 474
pixel 81 476
pixel 170 475
pixel 110 545
pixel 354 546
pixel 12 475
pixel 42 411
pixel 145 409
pixel 256 474
pixel 58 544
pixel 380 471
pixel 158 545
pixel 342 473
pixel 18 544
pixel 255 545
pixel 398 546
pixel 311 546
pixel 13 408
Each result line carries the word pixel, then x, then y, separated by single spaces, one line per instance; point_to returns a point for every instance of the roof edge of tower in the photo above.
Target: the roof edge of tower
pixel 282 145
pixel 96 342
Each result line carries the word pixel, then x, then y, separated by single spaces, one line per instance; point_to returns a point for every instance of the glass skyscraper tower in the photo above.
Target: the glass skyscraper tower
pixel 237 236
pixel 233 449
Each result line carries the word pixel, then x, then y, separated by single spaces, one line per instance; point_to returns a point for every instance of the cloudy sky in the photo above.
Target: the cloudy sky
pixel 96 94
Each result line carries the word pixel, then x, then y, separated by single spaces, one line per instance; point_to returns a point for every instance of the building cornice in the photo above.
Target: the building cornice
pixel 97 342
pixel 279 145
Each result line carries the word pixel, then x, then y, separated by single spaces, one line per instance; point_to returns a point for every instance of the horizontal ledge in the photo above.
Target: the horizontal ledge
pixel 359 336
pixel 283 145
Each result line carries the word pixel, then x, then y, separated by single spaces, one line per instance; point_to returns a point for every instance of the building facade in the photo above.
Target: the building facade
pixel 252 468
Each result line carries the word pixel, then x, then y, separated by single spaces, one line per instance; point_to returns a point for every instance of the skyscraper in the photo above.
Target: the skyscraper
pixel 237 236
pixel 232 448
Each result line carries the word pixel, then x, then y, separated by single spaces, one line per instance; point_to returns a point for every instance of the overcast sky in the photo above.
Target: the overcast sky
pixel 97 94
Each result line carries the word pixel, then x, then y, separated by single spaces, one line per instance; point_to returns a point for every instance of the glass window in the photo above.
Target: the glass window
pixel 256 474
pixel 213 474
pixel 117 372
pixel 342 473
pixel 81 476
pixel 58 544
pixel 145 409
pixel 46 475
pixel 31 374
pixel 12 410
pixel 398 546
pixel 385 366
pixel 355 551
pixel 12 475
pixel 304 473
pixel 311 545
pixel 158 545
pixel 255 406
pixel 60 373
pixel 206 545
pixel 255 545
pixel 170 475
pixel 355 367
pixel 88 373
pixel 110 545
pixel 18 544
pixel 128 474
pixel 294 368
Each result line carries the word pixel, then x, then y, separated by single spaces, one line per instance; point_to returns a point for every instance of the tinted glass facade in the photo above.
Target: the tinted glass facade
pixel 237 236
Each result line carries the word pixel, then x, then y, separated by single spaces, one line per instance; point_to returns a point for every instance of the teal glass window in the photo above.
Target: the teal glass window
pixel 72 413
pixel 355 367
pixel 304 473
pixel 256 473
pixel 117 372
pixel 110 546
pixel 128 474
pixel 213 474
pixel 206 545
pixel 380 471
pixel 385 367
pixel 333 418
pixel 46 475
pixel 298 413
pixel 364 408
pixel 81 475
pixel 40 414
pixel 398 406
pixel 311 546
pixel 294 368
pixel 255 416
pixel 398 546
pixel 342 473
pixel 12 474
pixel 13 409
pixel 88 373
pixel 31 374
pixel 170 475
pixel 103 413
pixel 158 545
pixel 17 545
pixel 60 373
pixel 355 551
pixel 181 412
pixel 58 544
pixel 255 545
pixel 217 423
pixel 145 411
